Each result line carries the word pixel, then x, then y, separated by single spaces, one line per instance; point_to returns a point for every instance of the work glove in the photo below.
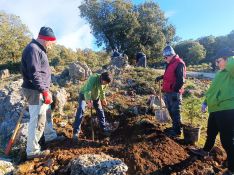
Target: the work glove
pixel 104 102
pixel 203 107
pixel 157 79
pixel 47 97
pixel 90 104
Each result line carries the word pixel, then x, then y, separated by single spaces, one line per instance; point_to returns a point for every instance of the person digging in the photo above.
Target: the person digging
pixel 92 94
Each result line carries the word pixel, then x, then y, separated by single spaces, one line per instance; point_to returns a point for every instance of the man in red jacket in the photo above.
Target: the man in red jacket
pixel 173 80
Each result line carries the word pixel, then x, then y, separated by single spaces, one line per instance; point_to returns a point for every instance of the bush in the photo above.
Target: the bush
pixel 11 66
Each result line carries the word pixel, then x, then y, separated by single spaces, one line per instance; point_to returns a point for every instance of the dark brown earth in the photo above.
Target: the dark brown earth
pixel 139 141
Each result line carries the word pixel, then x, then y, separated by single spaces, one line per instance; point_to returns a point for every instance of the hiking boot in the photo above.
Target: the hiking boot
pixel 39 154
pixel 169 129
pixel 57 139
pixel 106 132
pixel 199 152
pixel 173 133
pixel 75 136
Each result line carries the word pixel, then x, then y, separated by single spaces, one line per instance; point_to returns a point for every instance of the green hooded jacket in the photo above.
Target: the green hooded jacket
pixel 93 89
pixel 220 95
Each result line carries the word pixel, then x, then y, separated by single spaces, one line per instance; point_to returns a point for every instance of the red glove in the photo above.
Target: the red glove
pixel 47 97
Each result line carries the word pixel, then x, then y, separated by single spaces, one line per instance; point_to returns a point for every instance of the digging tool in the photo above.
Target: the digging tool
pixel 161 114
pixel 91 122
pixel 12 140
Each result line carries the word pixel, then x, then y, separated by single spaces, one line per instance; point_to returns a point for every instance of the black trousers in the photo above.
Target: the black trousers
pixel 222 122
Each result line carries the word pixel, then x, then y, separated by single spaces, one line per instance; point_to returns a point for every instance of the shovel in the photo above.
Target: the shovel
pixel 91 123
pixel 13 137
pixel 161 114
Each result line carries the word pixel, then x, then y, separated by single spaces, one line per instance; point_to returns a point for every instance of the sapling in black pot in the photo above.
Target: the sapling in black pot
pixel 191 129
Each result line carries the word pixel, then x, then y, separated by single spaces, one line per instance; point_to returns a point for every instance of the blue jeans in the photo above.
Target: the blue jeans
pixel 80 113
pixel 173 104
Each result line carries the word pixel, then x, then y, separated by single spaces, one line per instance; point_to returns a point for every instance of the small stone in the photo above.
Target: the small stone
pixel 39 168
pixel 63 124
pixel 55 167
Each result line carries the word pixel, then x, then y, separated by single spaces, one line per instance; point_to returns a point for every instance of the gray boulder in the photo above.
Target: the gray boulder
pixel 6 167
pixel 120 61
pixel 97 164
pixel 4 73
pixel 11 102
pixel 79 71
pixel 60 100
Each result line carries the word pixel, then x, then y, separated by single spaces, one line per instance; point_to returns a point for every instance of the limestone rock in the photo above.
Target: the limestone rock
pixel 79 71
pixel 60 100
pixel 6 167
pixel 97 164
pixel 4 73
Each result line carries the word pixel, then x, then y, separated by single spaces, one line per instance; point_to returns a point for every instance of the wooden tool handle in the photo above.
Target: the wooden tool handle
pixel 91 122
pixel 160 95
pixel 12 140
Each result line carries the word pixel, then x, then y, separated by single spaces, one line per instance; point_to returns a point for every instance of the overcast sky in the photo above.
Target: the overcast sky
pixel 192 18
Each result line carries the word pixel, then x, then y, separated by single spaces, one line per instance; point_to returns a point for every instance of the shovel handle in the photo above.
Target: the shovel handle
pixel 160 95
pixel 12 140
pixel 91 122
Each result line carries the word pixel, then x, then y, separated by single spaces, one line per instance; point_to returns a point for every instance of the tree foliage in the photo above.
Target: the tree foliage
pixel 208 43
pixel 191 51
pixel 14 36
pixel 127 27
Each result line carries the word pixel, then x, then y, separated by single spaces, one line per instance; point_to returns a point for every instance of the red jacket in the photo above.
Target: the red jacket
pixel 169 77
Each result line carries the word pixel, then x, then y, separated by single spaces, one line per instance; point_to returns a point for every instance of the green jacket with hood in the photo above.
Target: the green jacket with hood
pixel 93 89
pixel 220 95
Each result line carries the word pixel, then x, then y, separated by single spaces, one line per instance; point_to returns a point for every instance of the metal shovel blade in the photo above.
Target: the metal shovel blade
pixel 162 116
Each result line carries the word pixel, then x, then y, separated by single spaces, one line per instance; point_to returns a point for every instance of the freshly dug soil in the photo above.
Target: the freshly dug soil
pixel 140 142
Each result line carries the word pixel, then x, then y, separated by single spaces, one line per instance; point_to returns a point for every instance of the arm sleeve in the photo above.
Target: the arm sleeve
pixel 179 77
pixel 34 67
pixel 88 88
pixel 102 92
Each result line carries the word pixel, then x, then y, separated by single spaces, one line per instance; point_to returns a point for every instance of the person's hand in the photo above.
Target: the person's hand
pixel 157 79
pixel 90 104
pixel 47 97
pixel 104 102
pixel 204 106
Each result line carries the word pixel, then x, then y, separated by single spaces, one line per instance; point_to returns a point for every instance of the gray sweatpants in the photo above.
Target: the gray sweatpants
pixel 37 123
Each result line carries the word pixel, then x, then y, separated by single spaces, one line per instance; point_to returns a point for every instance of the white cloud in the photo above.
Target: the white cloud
pixel 169 14
pixel 61 15
pixel 77 38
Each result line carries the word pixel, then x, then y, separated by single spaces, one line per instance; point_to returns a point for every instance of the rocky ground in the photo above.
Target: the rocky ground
pixel 140 141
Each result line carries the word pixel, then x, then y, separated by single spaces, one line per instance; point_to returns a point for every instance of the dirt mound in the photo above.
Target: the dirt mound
pixel 139 142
